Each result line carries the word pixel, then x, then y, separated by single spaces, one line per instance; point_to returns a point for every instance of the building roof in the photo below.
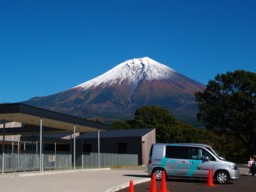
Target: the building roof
pixel 117 133
pixel 31 115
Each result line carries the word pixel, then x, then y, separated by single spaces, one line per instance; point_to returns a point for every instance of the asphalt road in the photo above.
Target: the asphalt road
pixel 245 183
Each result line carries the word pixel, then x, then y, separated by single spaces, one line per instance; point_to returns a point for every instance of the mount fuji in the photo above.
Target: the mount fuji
pixel 119 92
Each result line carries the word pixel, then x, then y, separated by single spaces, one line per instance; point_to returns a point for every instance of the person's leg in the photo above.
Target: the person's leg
pixel 253 171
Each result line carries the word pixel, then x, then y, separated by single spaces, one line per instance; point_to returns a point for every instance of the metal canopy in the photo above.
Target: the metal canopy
pixel 26 114
pixel 30 115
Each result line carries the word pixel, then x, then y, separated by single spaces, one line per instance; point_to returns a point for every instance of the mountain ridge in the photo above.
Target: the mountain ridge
pixel 119 92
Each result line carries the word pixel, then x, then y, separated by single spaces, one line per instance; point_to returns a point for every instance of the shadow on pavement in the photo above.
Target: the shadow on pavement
pixel 139 176
pixel 191 180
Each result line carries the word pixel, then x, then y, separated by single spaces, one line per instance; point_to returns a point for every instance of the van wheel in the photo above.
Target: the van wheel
pixel 158 173
pixel 222 177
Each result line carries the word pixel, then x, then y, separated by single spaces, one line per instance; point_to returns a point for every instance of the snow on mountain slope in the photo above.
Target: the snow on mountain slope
pixel 132 71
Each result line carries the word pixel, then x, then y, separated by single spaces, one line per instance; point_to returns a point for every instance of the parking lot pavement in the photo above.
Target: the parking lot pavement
pixel 99 180
pixel 245 183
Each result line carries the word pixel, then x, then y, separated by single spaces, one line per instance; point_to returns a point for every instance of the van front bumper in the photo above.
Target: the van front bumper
pixel 235 174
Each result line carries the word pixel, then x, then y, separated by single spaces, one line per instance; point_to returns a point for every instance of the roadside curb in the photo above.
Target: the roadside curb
pixel 59 172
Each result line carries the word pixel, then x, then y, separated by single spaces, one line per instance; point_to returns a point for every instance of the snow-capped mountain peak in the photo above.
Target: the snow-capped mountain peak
pixel 131 71
pixel 118 93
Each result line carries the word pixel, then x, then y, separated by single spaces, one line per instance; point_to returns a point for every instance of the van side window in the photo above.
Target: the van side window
pixel 195 153
pixel 177 152
pixel 207 154
pixel 199 153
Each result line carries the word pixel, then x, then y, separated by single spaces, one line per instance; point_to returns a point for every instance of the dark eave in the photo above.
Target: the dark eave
pixel 26 114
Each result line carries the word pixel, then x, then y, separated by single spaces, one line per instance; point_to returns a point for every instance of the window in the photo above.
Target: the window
pixel 177 152
pixel 199 153
pixel 195 153
pixel 185 152
pixel 207 154
pixel 87 148
pixel 122 147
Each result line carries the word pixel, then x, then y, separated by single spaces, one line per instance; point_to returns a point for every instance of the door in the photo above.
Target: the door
pixel 200 162
pixel 176 161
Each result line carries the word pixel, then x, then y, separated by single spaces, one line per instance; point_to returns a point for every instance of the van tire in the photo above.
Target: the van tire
pixel 221 177
pixel 158 173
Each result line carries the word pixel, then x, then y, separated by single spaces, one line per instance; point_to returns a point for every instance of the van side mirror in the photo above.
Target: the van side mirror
pixel 206 158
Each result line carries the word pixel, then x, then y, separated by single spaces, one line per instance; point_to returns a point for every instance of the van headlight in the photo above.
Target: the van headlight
pixel 233 166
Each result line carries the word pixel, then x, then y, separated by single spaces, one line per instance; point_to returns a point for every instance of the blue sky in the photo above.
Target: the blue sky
pixel 52 45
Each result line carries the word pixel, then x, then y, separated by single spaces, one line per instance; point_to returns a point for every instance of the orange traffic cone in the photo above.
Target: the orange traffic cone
pixel 210 180
pixel 153 187
pixel 131 187
pixel 163 187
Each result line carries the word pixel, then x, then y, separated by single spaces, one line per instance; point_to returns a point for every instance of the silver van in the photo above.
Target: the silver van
pixel 189 160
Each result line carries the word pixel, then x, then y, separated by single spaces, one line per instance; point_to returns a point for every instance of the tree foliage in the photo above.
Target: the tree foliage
pixel 121 125
pixel 159 118
pixel 228 105
pixel 168 128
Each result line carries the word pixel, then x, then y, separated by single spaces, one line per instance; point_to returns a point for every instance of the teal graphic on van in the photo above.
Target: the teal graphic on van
pixel 163 162
pixel 176 167
pixel 193 166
